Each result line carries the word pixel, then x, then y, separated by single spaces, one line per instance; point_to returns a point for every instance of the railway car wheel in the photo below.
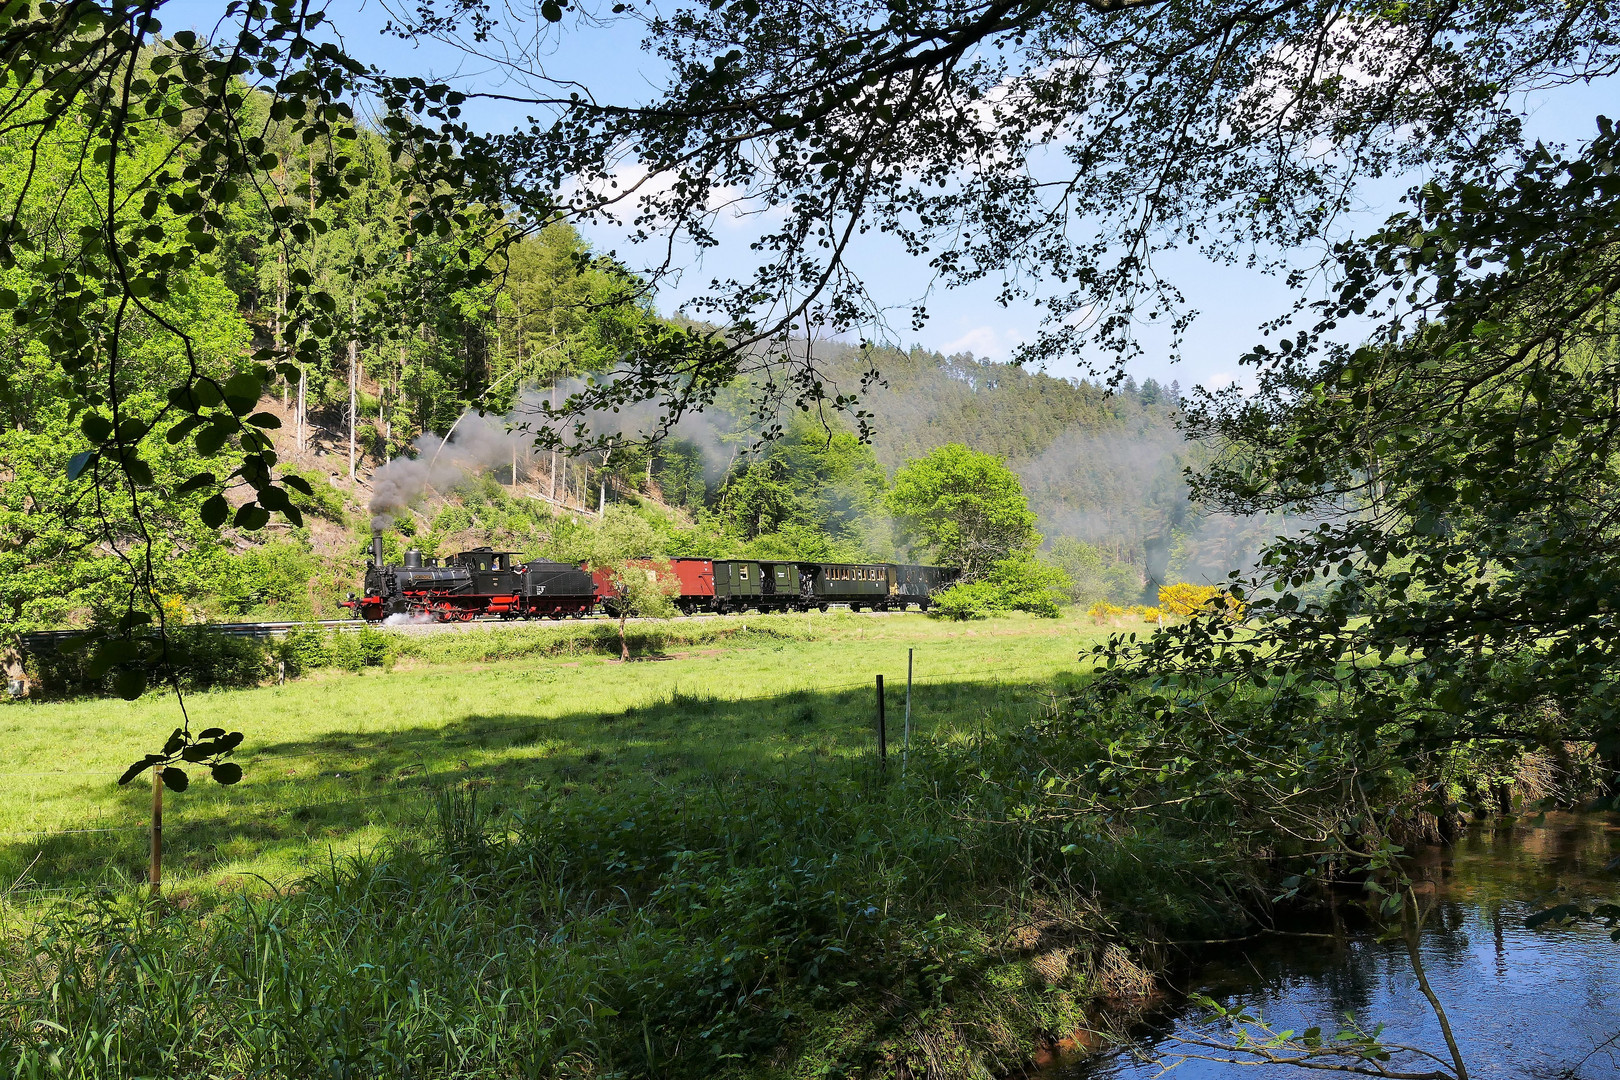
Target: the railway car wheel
pixel 821 607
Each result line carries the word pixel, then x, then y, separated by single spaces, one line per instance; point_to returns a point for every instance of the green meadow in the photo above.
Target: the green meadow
pixel 338 762
pixel 510 855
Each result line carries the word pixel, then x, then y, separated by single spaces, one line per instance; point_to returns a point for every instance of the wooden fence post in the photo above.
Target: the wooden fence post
pixel 905 750
pixel 883 730
pixel 157 831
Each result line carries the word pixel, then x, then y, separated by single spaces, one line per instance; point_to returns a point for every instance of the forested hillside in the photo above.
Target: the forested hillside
pixel 479 359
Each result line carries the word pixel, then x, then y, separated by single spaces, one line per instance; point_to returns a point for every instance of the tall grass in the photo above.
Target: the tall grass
pixel 815 921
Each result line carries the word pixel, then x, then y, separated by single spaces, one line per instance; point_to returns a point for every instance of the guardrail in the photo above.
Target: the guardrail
pixel 45 641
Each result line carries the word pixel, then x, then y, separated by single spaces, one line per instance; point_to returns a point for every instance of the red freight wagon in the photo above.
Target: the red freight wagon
pixel 697 584
pixel 695 576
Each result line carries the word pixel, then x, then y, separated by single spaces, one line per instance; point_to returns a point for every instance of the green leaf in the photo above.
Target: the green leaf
pixel 175 779
pixel 196 483
pixel 251 516
pixel 139 767
pixel 95 426
pixel 226 772
pixel 264 420
pixel 214 511
pixel 242 391
pixel 130 684
pixel 211 439
pixel 80 462
pixel 177 433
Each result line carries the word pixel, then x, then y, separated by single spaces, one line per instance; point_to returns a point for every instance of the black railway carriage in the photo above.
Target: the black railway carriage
pixel 856 584
pixel 913 584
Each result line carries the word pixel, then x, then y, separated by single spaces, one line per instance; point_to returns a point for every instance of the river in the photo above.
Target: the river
pixel 1539 1004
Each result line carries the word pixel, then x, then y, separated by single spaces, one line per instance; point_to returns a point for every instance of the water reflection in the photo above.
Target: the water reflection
pixel 1524 1004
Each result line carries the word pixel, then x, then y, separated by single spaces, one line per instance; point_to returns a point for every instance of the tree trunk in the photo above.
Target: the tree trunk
pixel 281 315
pixel 354 378
pixel 624 644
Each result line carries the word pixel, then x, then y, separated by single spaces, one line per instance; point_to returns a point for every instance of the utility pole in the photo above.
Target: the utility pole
pixel 554 452
pixel 281 313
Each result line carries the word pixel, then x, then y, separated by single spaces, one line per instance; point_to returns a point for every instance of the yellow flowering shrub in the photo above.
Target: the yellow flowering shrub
pixel 1185 600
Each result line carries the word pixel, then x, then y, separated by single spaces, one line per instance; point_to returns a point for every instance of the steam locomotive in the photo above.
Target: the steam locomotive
pixel 486 582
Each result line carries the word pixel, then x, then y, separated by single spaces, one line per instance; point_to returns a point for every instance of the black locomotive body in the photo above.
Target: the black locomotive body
pixel 482 581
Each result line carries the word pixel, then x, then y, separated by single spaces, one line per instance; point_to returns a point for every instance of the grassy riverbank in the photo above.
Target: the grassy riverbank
pixel 569 867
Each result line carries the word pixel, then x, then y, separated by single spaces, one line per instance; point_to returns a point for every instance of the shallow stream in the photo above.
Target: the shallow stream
pixel 1539 1004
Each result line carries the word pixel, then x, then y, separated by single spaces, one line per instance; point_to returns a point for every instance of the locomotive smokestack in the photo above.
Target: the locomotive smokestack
pixel 376 550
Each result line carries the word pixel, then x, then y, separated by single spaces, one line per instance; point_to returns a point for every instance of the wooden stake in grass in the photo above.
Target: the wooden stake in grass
pixel 905 747
pixel 883 730
pixel 208 748
pixel 157 831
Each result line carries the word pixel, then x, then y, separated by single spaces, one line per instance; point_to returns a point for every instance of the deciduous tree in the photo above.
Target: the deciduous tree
pixel 966 508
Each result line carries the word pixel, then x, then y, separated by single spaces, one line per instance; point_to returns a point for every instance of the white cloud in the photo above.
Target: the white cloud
pixel 985 342
pixel 630 188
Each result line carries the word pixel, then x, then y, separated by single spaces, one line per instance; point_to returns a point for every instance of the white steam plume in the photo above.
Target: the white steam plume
pixel 477 443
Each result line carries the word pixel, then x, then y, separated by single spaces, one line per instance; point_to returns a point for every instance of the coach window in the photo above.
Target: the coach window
pixel 742 573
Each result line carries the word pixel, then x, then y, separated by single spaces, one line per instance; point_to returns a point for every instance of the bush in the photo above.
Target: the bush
pixel 363 648
pixel 201 659
pixel 1187 600
pixel 1016 584
pixel 304 651
pixel 273 578
pixel 968 600
pixel 323 501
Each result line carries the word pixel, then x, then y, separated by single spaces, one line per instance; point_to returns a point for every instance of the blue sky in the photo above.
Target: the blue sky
pixel 1232 302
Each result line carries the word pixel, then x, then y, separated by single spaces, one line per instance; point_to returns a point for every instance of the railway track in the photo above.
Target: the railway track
pixel 43 641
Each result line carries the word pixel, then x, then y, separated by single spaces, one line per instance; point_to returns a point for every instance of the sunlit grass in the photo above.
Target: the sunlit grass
pixel 342 762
